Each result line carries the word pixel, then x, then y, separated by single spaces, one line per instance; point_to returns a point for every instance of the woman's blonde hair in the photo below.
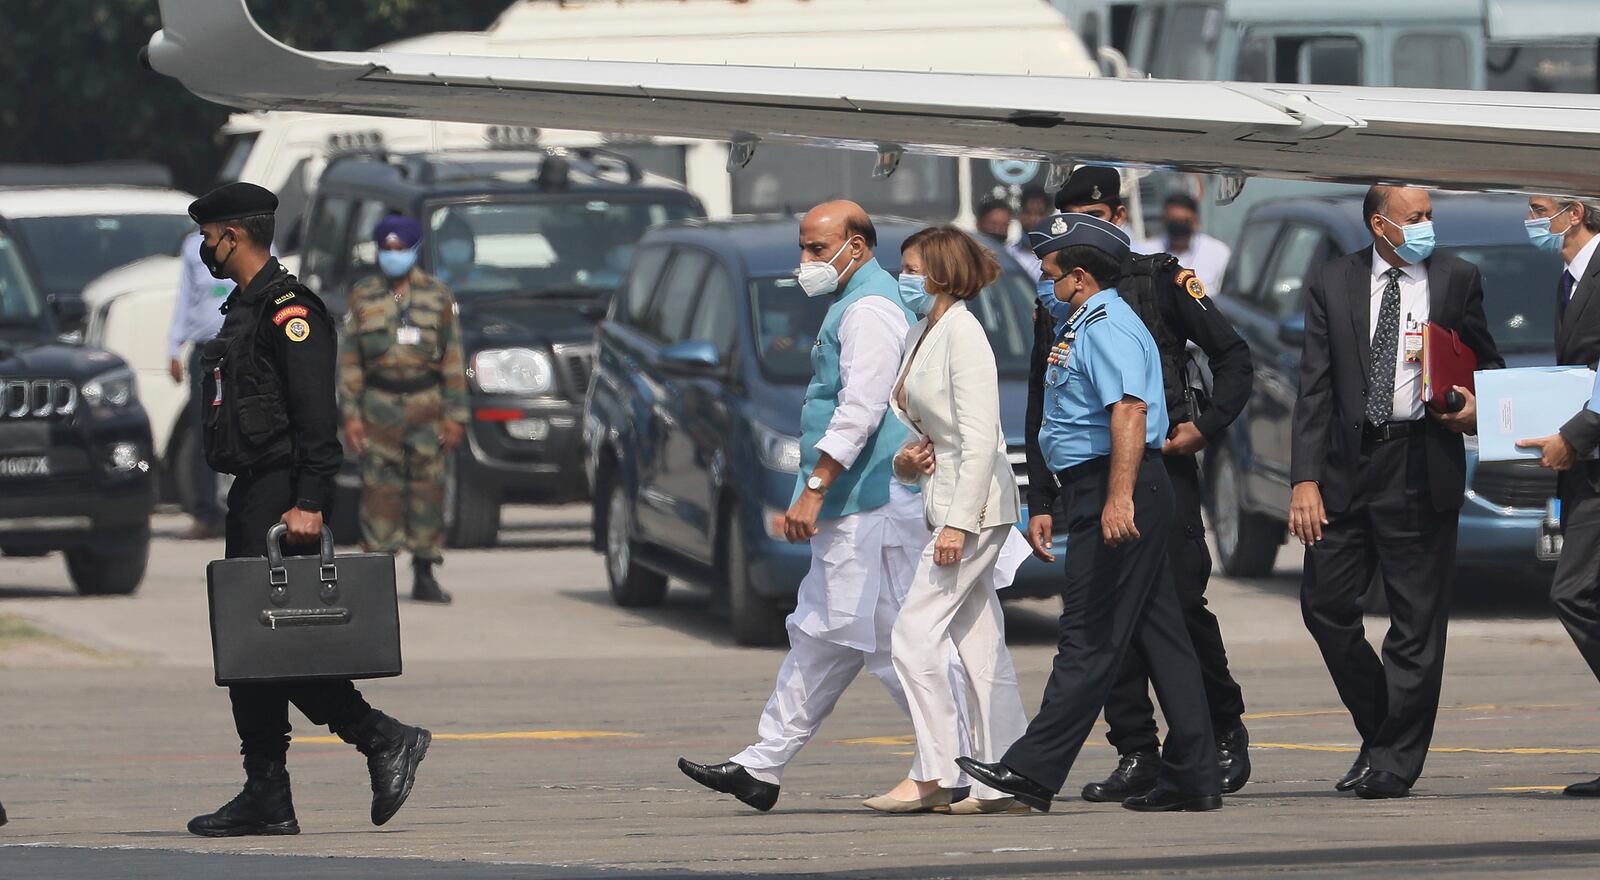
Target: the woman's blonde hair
pixel 953 262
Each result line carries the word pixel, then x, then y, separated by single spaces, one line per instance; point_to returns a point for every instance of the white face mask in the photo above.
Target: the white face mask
pixel 821 279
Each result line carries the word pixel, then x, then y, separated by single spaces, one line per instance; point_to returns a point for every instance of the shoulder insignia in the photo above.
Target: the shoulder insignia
pixel 288 312
pixel 283 299
pixel 298 330
pixel 1191 284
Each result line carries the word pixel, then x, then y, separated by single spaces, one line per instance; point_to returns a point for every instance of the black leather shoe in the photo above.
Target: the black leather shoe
pixel 393 752
pixel 1136 775
pixel 1233 756
pixel 1165 800
pixel 1358 772
pixel 1576 789
pixel 424 586
pixel 731 778
pixel 264 807
pixel 1380 784
pixel 1015 784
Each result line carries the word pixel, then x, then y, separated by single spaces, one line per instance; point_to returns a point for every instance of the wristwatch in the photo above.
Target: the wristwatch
pixel 814 483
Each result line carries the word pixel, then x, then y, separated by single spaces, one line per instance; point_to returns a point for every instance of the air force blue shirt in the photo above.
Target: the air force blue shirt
pixel 1102 354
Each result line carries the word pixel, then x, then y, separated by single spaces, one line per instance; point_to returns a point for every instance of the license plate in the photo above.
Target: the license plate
pixel 25 466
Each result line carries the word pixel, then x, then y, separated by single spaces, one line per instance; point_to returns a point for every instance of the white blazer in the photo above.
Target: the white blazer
pixel 952 394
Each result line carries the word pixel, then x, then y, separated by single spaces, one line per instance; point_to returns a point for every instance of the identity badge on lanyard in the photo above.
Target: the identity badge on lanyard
pixel 408 333
pixel 1413 341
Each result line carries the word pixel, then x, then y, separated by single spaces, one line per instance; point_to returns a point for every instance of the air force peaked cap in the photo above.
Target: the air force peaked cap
pixel 232 201
pixel 1090 185
pixel 1061 231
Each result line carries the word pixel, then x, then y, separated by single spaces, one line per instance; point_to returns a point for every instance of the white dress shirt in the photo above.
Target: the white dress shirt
pixel 1207 256
pixel 1580 263
pixel 1413 312
pixel 872 337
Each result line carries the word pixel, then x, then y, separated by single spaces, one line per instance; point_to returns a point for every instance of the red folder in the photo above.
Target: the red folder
pixel 1446 363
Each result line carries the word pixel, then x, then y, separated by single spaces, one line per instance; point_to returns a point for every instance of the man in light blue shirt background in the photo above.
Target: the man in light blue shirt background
pixel 196 318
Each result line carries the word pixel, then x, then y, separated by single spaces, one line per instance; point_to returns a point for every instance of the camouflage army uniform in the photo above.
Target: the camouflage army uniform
pixel 403 471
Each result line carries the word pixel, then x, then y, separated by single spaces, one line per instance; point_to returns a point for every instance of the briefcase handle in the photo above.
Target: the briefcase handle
pixel 278 576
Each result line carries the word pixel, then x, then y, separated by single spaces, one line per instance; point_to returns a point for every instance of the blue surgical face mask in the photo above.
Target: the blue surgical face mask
pixel 1541 236
pixel 1059 311
pixel 397 264
pixel 1419 241
pixel 914 293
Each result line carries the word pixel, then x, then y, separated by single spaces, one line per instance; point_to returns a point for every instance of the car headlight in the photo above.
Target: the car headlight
pixel 513 371
pixel 778 451
pixel 115 389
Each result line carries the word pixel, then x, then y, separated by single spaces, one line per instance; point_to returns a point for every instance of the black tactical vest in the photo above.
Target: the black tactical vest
pixel 1146 280
pixel 247 416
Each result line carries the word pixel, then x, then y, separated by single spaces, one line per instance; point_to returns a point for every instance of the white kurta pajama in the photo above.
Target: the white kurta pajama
pixel 861 564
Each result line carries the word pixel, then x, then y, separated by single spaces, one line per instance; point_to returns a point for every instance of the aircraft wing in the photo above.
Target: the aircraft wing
pixel 1496 141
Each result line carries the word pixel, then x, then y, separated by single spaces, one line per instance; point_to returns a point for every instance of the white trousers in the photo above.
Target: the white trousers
pixel 816 671
pixel 956 604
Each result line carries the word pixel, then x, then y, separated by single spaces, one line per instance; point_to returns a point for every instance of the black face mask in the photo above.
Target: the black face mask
pixel 208 256
pixel 1179 230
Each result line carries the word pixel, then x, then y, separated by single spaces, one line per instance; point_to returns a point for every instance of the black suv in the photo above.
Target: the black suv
pixel 74 444
pixel 533 243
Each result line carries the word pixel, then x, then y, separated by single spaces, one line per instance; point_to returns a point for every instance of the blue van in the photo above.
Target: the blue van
pixel 692 421
pixel 1263 294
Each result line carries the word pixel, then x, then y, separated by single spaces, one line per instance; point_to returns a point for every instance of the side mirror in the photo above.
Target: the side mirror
pixel 695 357
pixel 1292 331
pixel 70 311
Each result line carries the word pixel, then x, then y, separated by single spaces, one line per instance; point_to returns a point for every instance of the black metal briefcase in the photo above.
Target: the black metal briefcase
pixel 301 618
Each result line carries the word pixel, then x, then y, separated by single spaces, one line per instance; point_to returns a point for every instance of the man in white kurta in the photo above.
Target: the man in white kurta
pixel 862 561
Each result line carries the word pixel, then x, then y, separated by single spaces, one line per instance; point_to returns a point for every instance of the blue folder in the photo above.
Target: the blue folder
pixel 1528 402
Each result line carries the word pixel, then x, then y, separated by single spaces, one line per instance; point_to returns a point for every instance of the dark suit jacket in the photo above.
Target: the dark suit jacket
pixel 1336 360
pixel 1578 343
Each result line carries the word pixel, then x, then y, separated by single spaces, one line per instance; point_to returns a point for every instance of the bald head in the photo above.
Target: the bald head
pixel 837 232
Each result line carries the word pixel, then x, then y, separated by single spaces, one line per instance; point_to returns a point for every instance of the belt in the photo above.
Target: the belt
pixel 403 386
pixel 1099 465
pixel 1391 430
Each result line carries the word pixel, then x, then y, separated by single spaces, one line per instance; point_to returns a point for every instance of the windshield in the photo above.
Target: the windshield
pixel 1536 67
pixel 72 251
pixel 568 245
pixel 787 322
pixel 19 301
pixel 1519 286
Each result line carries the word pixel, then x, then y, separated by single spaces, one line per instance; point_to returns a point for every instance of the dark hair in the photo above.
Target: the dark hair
pixel 1033 194
pixel 862 226
pixel 1100 265
pixel 259 228
pixel 953 261
pixel 1376 202
pixel 1182 200
pixel 993 204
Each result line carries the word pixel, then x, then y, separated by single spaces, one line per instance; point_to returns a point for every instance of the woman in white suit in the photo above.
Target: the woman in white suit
pixel 949 393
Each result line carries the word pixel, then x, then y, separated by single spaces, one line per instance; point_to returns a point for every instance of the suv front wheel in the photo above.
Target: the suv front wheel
pixel 632 585
pixel 1246 542
pixel 113 565
pixel 754 619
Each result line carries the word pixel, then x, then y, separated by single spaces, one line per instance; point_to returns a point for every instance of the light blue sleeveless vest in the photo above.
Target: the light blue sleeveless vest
pixel 865 485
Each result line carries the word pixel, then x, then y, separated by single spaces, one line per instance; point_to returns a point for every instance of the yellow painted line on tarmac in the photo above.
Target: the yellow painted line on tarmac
pixel 539 735
pixel 1315 713
pixel 905 740
pixel 1434 750
pixel 1530 788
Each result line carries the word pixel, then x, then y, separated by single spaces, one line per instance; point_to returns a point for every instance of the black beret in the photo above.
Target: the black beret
pixel 1060 231
pixel 232 201
pixel 1090 185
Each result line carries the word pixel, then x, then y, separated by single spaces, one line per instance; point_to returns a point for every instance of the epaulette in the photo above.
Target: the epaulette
pixel 1094 317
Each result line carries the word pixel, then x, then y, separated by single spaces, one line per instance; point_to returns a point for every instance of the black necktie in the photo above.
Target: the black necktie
pixel 1385 346
pixel 1567 283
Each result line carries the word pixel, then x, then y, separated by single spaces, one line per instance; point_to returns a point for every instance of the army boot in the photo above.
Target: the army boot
pixel 424 587
pixel 264 807
pixel 393 752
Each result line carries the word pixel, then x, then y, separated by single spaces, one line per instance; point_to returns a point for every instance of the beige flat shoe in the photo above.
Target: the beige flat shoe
pixel 885 804
pixel 974 806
